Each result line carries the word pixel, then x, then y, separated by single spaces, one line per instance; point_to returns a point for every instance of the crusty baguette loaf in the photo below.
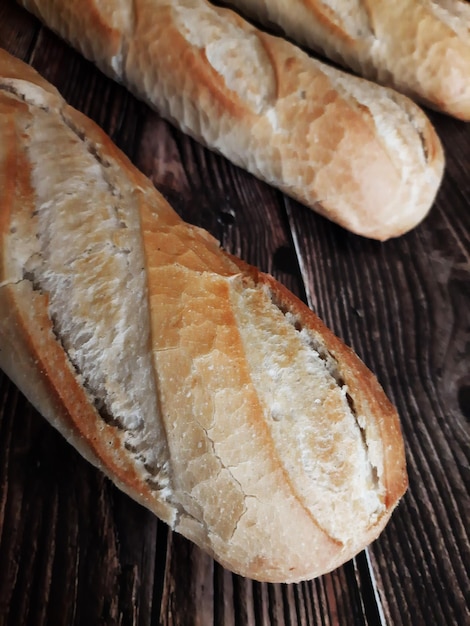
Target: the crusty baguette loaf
pixel 200 386
pixel 365 157
pixel 419 47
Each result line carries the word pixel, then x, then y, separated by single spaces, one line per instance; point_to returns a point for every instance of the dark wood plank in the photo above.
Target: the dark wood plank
pixel 74 550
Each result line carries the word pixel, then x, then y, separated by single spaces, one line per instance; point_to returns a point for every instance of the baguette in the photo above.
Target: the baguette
pixel 421 48
pixel 359 154
pixel 199 385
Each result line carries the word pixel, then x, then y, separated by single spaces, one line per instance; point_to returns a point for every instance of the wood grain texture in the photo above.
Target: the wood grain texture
pixel 74 550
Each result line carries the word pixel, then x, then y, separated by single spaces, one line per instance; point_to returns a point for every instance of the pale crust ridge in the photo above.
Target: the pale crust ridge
pixel 353 151
pixel 207 444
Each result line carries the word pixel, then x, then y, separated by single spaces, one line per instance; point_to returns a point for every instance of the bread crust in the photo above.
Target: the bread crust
pixel 422 49
pixel 355 152
pixel 228 486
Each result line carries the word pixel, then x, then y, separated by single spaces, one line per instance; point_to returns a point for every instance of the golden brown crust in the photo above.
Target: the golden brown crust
pixel 352 151
pixel 420 48
pixel 65 17
pixel 361 383
pixel 30 353
pixel 233 488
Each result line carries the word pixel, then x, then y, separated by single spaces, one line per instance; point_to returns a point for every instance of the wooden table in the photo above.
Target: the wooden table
pixel 74 550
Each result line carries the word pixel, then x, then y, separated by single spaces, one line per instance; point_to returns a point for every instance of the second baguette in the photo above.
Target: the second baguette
pixel 359 154
pixel 421 48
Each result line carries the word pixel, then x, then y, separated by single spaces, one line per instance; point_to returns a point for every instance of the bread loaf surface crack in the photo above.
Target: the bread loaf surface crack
pixel 308 407
pixel 86 253
pixel 352 17
pixel 237 56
